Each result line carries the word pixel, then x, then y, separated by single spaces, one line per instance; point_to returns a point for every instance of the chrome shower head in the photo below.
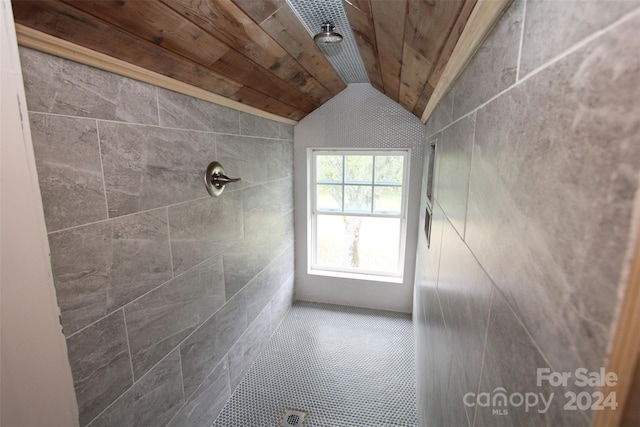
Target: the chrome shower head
pixel 327 35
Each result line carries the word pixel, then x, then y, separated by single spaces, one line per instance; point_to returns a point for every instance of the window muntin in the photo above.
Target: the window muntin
pixel 358 211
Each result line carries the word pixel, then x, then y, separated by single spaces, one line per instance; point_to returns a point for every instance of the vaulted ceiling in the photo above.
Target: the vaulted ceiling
pixel 258 52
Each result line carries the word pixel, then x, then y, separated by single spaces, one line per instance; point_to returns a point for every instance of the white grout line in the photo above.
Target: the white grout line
pixel 126 334
pixel 173 271
pixel 157 105
pixel 160 127
pixel 519 63
pixel 547 64
pixel 597 34
pixel 104 184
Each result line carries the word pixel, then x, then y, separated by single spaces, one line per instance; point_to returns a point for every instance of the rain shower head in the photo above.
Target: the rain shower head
pixel 327 35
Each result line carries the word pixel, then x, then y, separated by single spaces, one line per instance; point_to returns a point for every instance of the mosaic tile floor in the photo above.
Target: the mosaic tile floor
pixel 344 366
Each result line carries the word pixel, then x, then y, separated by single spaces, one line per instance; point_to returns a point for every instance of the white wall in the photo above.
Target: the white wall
pixel 359 117
pixel 36 388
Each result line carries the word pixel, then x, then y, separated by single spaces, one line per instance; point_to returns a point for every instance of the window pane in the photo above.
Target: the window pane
pixel 389 169
pixel 329 197
pixel 357 198
pixel 358 243
pixel 329 169
pixel 387 200
pixel 358 169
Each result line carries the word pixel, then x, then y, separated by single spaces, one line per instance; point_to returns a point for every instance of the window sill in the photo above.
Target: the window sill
pixel 356 276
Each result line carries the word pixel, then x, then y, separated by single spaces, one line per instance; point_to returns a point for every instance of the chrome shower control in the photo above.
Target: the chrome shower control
pixel 215 179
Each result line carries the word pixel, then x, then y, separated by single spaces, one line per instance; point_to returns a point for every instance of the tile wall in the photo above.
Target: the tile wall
pixel 536 177
pixel 167 294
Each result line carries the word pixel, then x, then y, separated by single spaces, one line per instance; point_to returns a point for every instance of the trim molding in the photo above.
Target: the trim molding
pixel 38 40
pixel 624 350
pixel 484 16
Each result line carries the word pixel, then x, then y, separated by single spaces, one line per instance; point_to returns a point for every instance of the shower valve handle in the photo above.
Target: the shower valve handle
pixel 215 179
pixel 219 179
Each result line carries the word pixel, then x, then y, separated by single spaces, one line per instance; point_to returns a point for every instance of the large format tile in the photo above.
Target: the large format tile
pixel 493 67
pixel 245 157
pixel 553 179
pixel 69 170
pixel 442 115
pixel 204 228
pixel 454 165
pixel 60 86
pixel 551 27
pixel 281 303
pixel 185 112
pixel 160 320
pixel 266 284
pixel 148 167
pixel 464 291
pixel 206 347
pixel 279 159
pixel 100 267
pixel 511 363
pixel 264 205
pixel 204 405
pixel 286 131
pixel 251 125
pixel 433 352
pixel 100 365
pixel 245 351
pixel 151 402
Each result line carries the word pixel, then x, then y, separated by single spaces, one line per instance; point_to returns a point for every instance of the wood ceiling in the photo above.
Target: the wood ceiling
pixel 257 52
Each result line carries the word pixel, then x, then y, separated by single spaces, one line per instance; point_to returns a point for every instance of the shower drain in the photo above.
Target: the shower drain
pixel 292 418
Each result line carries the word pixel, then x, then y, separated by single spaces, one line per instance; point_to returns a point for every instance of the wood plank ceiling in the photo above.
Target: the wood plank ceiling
pixel 257 52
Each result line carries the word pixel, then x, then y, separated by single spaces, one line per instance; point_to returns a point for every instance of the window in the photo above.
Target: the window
pixel 358 204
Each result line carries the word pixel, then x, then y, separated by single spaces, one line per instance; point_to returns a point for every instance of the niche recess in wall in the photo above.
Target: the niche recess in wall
pixel 430 156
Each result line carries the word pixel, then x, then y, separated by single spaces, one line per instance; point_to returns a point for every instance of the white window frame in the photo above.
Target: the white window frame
pixel 312 266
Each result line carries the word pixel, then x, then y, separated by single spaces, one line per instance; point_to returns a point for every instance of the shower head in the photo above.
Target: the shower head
pixel 327 35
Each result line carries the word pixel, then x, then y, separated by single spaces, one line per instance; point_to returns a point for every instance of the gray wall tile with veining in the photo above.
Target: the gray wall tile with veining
pixel 245 157
pixel 553 179
pixel 266 284
pixel 69 170
pixel 511 362
pixel 203 228
pixel 60 86
pixel 442 116
pixel 160 320
pixel 207 401
pixel 464 291
pixel 279 161
pixel 100 365
pixel 281 303
pixel 100 267
pixel 286 131
pixel 148 167
pixel 455 413
pixel 206 347
pixel 151 402
pixel 251 125
pixel 552 27
pixel 433 353
pixel 454 165
pixel 245 351
pixel 493 67
pixel 185 112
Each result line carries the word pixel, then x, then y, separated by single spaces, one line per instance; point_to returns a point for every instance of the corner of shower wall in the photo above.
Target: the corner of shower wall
pixel 167 295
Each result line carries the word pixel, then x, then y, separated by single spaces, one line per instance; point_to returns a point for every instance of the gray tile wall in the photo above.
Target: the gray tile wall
pixel 536 176
pixel 167 295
